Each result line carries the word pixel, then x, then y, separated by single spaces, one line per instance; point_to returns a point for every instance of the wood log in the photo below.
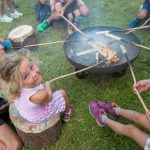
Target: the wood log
pixel 36 135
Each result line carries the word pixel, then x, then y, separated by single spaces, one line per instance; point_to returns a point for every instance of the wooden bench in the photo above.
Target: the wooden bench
pixel 34 135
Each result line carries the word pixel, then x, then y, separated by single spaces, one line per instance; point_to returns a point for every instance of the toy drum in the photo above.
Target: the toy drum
pixel 23 36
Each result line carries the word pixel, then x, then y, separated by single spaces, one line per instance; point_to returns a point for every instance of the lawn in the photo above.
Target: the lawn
pixel 82 132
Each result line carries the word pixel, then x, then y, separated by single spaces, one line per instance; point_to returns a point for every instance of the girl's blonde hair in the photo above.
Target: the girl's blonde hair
pixel 10 82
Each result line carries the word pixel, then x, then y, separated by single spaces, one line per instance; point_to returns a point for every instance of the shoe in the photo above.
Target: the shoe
pixel 16 14
pixel 66 116
pixel 5 18
pixel 96 112
pixel 134 23
pixel 109 109
pixel 42 26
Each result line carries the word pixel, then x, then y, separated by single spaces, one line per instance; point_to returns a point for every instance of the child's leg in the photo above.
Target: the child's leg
pixel 84 11
pixel 128 130
pixel 1 8
pixel 77 14
pixel 135 116
pixel 70 28
pixel 10 5
pixel 67 109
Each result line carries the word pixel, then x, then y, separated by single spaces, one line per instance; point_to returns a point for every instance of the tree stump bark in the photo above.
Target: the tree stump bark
pixel 34 135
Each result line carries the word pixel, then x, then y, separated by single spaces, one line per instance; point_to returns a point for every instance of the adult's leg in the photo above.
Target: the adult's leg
pixel 10 5
pixel 1 8
pixel 128 130
pixel 84 11
pixel 8 138
pixel 135 116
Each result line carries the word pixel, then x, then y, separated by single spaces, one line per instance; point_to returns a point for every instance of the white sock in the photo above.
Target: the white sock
pixel 104 117
pixel 117 109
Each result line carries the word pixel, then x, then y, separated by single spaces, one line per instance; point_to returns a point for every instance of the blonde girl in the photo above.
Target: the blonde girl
pixel 34 99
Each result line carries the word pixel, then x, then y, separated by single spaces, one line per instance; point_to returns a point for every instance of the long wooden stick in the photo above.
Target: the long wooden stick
pixel 82 33
pixel 70 74
pixel 87 68
pixel 120 39
pixel 121 30
pixel 134 79
pixel 137 28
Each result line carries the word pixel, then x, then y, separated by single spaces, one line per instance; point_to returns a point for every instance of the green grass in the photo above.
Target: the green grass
pixel 82 132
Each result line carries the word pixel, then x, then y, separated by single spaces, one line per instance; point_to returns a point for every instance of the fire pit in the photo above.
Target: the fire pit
pixel 81 54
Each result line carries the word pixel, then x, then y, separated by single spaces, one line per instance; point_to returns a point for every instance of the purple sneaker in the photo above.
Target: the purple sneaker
pixel 66 116
pixel 109 108
pixel 96 112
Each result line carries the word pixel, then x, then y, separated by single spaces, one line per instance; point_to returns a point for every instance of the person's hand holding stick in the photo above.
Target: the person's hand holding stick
pixel 134 79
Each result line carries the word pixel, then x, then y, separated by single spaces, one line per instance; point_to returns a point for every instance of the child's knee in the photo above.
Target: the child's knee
pixel 129 129
pixel 142 14
pixel 63 92
pixel 136 116
pixel 58 6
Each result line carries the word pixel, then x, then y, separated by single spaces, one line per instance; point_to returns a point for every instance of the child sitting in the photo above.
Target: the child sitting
pixel 144 12
pixel 64 7
pixel 100 111
pixel 34 99
pixel 42 10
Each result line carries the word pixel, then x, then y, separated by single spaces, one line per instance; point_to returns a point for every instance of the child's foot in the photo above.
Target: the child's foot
pixel 42 26
pixel 66 116
pixel 110 109
pixel 134 23
pixel 70 29
pixel 97 113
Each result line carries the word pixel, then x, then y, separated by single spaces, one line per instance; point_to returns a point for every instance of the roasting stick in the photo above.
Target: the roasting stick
pixel 134 79
pixel 129 30
pixel 77 29
pixel 141 27
pixel 120 39
pixel 87 68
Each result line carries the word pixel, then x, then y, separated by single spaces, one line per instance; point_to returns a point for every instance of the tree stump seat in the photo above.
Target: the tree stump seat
pixel 35 135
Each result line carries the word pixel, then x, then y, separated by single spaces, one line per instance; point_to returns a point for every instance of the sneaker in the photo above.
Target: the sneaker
pixel 66 116
pixel 5 18
pixel 134 23
pixel 109 108
pixel 96 112
pixel 42 26
pixel 15 14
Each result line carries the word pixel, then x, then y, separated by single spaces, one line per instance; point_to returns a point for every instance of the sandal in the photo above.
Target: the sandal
pixel 109 108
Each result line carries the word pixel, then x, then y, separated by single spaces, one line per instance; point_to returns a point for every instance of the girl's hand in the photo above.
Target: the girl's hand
pixel 141 86
pixel 48 88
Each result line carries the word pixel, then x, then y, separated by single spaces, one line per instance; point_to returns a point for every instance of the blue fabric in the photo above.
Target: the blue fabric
pixel 146 5
pixel 6 44
pixel 42 11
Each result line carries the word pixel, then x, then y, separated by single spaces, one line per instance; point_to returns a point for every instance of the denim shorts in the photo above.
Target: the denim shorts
pixel 147 144
pixel 146 5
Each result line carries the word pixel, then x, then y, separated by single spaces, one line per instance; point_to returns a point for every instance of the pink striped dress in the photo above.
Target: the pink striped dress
pixel 37 113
